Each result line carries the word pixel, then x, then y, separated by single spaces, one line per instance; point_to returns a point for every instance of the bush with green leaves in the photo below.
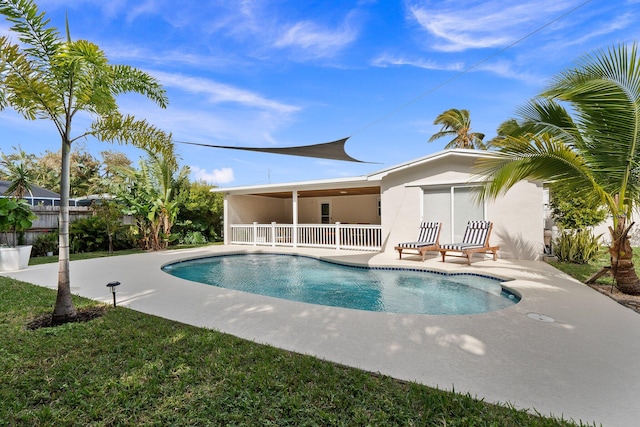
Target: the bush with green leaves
pixel 92 234
pixel 193 238
pixel 571 211
pixel 46 242
pixel 576 246
pixel 200 211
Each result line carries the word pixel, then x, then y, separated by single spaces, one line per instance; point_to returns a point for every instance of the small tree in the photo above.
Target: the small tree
pixel 150 197
pixel 573 212
pixel 49 77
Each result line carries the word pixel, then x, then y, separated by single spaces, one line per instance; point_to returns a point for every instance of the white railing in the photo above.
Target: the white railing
pixel 364 237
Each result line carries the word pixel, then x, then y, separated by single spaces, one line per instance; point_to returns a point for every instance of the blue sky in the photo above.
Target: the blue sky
pixel 284 73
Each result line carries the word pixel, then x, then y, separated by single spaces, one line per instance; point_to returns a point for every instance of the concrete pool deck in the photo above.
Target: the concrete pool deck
pixel 564 350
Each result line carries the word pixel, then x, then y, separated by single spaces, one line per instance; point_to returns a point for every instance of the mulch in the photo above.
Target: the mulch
pixel 83 315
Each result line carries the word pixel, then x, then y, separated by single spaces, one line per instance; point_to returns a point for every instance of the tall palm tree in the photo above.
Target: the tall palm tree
pixel 48 77
pixel 583 133
pixel 457 123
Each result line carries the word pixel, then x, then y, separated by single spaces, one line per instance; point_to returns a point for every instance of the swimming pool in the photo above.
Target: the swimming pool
pixel 310 280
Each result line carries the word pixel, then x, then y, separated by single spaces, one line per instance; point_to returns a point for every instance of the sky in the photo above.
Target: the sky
pixel 280 73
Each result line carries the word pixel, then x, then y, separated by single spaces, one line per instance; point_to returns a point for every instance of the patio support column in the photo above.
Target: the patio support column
pixel 226 227
pixel 294 206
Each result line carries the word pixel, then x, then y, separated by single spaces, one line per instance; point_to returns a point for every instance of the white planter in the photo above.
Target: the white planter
pixel 12 259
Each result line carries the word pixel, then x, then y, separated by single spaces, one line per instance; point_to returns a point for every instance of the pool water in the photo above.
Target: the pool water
pixel 310 280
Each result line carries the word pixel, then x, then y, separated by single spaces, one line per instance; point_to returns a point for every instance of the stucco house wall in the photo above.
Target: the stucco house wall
pixel 518 216
pixel 344 209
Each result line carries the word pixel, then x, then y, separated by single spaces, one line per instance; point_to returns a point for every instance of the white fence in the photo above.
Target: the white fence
pixel 364 237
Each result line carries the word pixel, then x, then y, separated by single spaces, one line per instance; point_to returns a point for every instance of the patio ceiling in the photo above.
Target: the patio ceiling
pixel 330 192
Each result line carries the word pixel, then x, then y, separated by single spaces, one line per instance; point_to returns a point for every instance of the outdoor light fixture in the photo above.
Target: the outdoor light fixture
pixel 112 286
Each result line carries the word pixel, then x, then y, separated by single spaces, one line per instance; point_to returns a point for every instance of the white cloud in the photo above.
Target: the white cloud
pixel 458 25
pixel 620 23
pixel 219 93
pixel 215 177
pixel 385 59
pixel 315 40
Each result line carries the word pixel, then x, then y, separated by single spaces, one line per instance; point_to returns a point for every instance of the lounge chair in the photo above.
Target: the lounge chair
pixel 427 240
pixel 475 240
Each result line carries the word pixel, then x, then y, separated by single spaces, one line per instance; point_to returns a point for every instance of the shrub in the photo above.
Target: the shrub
pixel 193 238
pixel 90 235
pixel 571 211
pixel 47 242
pixel 576 246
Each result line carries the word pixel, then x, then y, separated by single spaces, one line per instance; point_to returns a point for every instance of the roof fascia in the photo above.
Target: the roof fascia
pixel 361 181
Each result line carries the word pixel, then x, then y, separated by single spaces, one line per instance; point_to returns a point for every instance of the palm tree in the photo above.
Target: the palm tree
pixel 20 179
pixel 47 77
pixel 457 123
pixel 590 148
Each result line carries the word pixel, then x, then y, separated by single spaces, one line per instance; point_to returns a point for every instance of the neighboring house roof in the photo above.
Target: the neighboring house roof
pixel 371 181
pixel 38 192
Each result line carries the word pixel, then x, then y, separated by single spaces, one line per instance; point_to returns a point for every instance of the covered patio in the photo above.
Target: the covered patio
pixel 336 214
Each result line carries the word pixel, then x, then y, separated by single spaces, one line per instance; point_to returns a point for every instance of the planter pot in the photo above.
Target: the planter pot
pixel 17 258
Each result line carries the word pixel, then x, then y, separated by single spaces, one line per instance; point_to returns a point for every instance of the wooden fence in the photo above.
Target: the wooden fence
pixel 47 221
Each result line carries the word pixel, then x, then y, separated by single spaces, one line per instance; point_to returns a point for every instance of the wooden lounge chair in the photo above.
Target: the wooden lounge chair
pixel 427 240
pixel 475 240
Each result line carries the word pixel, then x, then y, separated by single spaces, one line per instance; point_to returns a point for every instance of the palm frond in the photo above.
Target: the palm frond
pixel 604 92
pixel 32 28
pixel 128 130
pixel 129 79
pixel 539 158
pixel 24 86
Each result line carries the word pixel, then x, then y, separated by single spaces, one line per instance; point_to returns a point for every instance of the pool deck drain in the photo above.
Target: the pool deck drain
pixel 581 366
pixel 541 317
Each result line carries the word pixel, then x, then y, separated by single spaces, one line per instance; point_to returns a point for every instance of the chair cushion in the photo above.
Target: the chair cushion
pixel 476 233
pixel 415 245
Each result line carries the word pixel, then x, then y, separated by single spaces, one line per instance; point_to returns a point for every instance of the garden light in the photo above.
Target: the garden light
pixel 112 286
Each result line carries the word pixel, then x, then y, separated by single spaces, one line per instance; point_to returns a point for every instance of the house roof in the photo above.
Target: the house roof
pixel 38 192
pixel 365 184
pixel 430 158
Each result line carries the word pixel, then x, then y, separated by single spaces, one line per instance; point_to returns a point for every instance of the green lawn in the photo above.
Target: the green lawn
pixel 84 255
pixel 129 368
pixel 583 271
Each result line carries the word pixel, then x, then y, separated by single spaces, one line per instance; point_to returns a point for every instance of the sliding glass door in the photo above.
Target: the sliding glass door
pixel 454 207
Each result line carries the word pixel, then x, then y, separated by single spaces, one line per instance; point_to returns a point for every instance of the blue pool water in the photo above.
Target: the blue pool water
pixel 310 280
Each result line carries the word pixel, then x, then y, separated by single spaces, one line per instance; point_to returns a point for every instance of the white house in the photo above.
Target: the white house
pixel 379 210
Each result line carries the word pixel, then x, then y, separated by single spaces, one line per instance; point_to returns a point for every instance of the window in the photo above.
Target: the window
pixel 325 213
pixel 454 207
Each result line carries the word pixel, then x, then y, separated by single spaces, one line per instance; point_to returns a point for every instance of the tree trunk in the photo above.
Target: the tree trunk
pixel 64 309
pixel 622 269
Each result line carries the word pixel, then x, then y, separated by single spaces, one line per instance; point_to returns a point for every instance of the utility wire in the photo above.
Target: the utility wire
pixel 472 67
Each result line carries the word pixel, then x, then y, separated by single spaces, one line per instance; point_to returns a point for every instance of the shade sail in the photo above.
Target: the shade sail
pixel 329 150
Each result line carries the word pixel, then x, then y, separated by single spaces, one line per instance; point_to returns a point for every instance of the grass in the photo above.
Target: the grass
pixel 84 255
pixel 129 368
pixel 582 272
pixel 99 254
